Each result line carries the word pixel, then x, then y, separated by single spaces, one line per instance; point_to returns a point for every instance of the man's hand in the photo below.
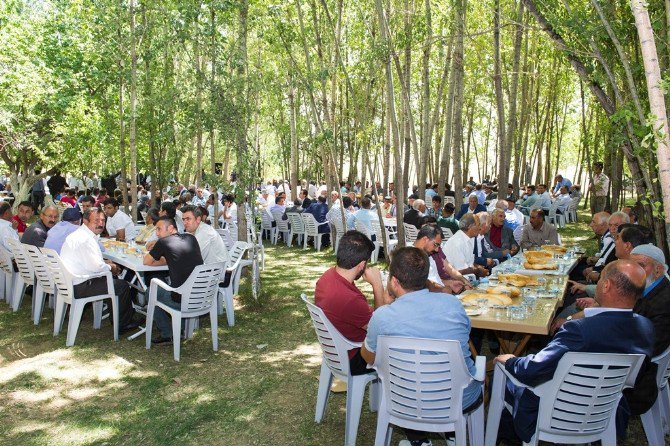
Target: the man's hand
pixel 558 323
pixel 585 302
pixel 372 276
pixel 150 244
pixel 15 224
pixel 587 271
pixel 593 276
pixel 576 286
pixel 591 260
pixel 456 286
pixel 116 269
pixel 503 358
pixel 490 262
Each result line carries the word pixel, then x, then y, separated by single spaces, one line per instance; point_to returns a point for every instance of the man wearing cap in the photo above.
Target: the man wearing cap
pixel 57 235
pixel 36 234
pixel 386 206
pixel 513 216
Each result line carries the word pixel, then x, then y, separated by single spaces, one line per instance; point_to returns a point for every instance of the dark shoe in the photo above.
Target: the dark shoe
pixel 161 341
pixel 128 327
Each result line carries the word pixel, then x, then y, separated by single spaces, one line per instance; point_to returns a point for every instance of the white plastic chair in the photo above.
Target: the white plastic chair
pixel 198 297
pixel 226 237
pixel 282 227
pixel 44 284
pixel 297 228
pixel 422 388
pixel 266 225
pixel 391 243
pixel 411 233
pixel 65 296
pixel 7 275
pixel 554 217
pixel 335 363
pixel 446 234
pixel 312 230
pixel 579 404
pixel 226 294
pixel 652 420
pixel 26 275
pixel 448 199
pixel 361 227
pixel 340 227
pixel 571 212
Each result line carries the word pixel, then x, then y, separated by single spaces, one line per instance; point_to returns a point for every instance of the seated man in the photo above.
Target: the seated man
pixel 169 209
pixel 436 209
pixel 212 248
pixel 279 205
pixel 57 235
pixel 606 244
pixel 417 312
pixel 543 197
pixel 614 222
pixel 513 217
pixel 500 237
pixel 319 210
pixel 442 277
pixel 530 198
pixel 36 234
pixel 86 203
pixel 148 233
pixel 82 256
pixel 460 247
pixel 538 232
pixel 119 224
pixel 414 215
pixel 7 225
pixel 24 212
pixel 613 328
pixel 563 200
pixel 181 253
pixel 340 299
pixel 365 215
pixel 471 207
pixel 447 219
pixel 229 209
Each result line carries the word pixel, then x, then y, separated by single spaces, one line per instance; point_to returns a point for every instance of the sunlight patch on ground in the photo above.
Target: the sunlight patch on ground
pixel 309 354
pixel 73 436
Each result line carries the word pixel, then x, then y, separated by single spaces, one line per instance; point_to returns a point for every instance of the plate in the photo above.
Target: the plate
pixel 473 312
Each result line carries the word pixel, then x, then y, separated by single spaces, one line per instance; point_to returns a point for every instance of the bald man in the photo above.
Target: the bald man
pixel 612 327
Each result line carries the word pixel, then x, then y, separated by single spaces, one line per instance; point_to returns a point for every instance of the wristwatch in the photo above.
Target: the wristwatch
pixel 569 318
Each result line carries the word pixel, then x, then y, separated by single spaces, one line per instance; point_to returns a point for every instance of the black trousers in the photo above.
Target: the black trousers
pixel 38 199
pixel 358 365
pixel 98 285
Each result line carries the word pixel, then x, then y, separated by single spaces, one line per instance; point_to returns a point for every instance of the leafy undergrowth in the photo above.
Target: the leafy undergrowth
pixel 258 389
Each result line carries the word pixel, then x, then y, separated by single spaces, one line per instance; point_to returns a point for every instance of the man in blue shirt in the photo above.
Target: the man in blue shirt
pixel 559 182
pixel 364 215
pixel 56 235
pixel 416 312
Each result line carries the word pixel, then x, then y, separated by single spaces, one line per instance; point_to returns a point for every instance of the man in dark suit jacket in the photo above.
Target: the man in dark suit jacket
pixel 612 328
pixel 471 207
pixel 414 215
pixel 319 211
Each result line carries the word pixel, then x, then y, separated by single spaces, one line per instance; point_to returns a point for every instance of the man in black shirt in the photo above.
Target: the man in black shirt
pixel 181 253
pixel 36 234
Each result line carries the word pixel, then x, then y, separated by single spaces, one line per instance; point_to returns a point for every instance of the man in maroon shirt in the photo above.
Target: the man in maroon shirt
pixel 25 211
pixel 340 299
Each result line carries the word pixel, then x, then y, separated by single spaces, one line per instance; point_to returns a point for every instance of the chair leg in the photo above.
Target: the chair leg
pixel 17 295
pixel 317 242
pixel 97 314
pixel 115 316
pixel 230 306
pixel 219 301
pixel 608 438
pixel 476 426
pixel 38 303
pixel 59 316
pixel 374 397
pixel 76 310
pixel 214 322
pixel 325 381
pixel 653 425
pixel 664 396
pixel 176 334
pixel 355 394
pixel 3 282
pixel 384 430
pixel 151 308
pixel 496 406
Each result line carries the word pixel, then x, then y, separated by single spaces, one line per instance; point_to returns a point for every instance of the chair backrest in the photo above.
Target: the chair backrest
pixel 311 226
pixel 42 273
pixel 446 234
pixel 22 261
pixel 663 373
pixel 422 379
pixel 451 200
pixel 238 250
pixel 59 273
pixel 266 220
pixel 410 233
pixel 226 237
pixel 6 261
pixel 335 347
pixel 377 230
pixel 338 223
pixel 297 225
pixel 200 289
pixel 282 225
pixel 584 393
pixel 363 228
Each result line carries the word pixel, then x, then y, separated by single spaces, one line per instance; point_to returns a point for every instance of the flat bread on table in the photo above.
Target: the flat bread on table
pixel 540 266
pixel 494 299
pixel 502 289
pixel 518 280
pixel 538 256
pixel 555 249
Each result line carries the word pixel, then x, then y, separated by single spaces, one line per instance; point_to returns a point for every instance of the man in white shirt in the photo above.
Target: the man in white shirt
pixel 82 257
pixel 543 199
pixel 460 247
pixel 211 244
pixel 7 225
pixel 563 200
pixel 229 209
pixel 428 240
pixel 200 198
pixel 119 225
pixel 513 216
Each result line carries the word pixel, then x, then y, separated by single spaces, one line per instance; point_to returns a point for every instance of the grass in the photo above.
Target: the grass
pixel 258 389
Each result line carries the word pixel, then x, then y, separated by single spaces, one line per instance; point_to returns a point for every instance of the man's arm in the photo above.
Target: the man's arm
pixel 367 355
pixel 121 235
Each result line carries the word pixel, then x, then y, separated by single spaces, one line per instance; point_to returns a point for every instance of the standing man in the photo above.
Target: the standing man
pixel 119 224
pixel 417 312
pixel 599 188
pixel 342 302
pixel 38 192
pixel 36 234
pixel 181 253
pixel 82 256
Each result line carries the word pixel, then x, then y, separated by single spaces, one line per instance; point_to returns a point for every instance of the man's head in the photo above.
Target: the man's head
pixel 599 223
pixel 511 202
pixel 530 190
pixel 72 215
pixel 541 188
pixel 86 203
pixel 621 284
pixel 473 201
pixel 165 227
pixel 484 223
pixel 617 219
pixel 502 205
pixel 559 178
pixel 366 203
pixel 353 251
pixel 408 271
pixel 25 211
pixel 303 194
pixel 321 198
pixel 536 218
pixel 629 237
pixel 347 202
pixel 498 217
pixel 94 219
pixel 280 200
pixel 437 202
pixel 419 205
pixel 49 216
pixel 563 190
pixel 632 214
pixel 168 209
pixel 469 224
pixel 449 209
pixel 652 260
pixel 597 167
pixel 411 199
pixel 191 216
pixel 152 216
pixel 334 195
pixel 110 206
pixel 199 192
pixel 428 239
pixel 6 210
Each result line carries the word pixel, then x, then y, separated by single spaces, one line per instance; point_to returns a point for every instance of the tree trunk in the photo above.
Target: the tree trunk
pixel 503 166
pixel 461 7
pixel 133 113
